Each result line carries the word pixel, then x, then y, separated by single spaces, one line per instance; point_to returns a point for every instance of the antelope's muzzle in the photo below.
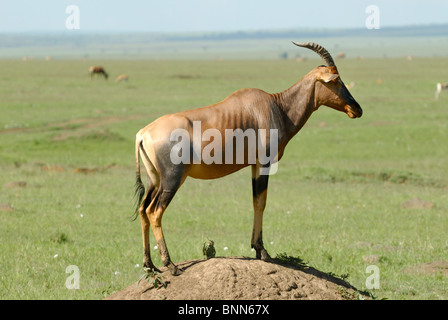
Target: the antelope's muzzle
pixel 353 109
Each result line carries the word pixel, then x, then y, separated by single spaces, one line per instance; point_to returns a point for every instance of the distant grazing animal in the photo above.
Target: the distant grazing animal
pixel 98 71
pixel 341 55
pixel 246 115
pixel 122 77
pixel 439 88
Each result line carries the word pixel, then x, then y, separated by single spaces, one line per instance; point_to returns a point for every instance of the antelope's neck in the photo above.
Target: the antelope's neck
pixel 297 103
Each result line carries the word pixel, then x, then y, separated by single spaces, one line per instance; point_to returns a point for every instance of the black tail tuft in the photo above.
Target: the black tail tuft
pixel 139 194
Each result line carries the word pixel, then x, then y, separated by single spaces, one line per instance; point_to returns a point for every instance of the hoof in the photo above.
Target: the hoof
pixel 150 268
pixel 175 271
pixel 263 255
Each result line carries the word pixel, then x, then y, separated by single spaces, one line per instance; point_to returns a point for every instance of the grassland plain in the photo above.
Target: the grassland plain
pixel 67 175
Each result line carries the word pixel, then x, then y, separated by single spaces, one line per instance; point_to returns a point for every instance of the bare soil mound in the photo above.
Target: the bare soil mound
pixel 240 279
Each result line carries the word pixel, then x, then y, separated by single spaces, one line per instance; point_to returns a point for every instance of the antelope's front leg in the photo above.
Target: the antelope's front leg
pixel 259 192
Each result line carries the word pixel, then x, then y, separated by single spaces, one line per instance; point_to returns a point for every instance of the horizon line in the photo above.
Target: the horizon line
pixel 204 32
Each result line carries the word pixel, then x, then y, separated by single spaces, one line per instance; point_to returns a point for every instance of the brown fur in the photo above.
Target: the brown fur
pixel 97 70
pixel 244 109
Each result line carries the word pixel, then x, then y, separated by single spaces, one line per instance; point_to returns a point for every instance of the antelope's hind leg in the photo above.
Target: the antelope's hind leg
pixel 161 201
pixel 147 261
pixel 171 178
pixel 167 177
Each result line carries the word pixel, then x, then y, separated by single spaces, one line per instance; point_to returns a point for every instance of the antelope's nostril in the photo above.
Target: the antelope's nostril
pixel 357 111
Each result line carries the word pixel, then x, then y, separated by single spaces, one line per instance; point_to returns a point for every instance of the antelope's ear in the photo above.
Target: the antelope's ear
pixel 327 76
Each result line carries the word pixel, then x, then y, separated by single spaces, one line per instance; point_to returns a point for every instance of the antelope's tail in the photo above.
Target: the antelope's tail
pixel 139 187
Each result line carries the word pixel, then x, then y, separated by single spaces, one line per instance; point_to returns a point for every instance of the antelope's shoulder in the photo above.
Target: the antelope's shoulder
pixel 250 93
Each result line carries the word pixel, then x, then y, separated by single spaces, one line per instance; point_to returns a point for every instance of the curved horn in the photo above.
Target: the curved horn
pixel 325 55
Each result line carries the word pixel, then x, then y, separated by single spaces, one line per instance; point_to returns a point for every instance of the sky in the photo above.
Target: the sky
pixel 213 15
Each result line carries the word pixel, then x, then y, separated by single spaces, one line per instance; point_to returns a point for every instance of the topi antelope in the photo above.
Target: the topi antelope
pixel 247 109
pixel 439 88
pixel 98 71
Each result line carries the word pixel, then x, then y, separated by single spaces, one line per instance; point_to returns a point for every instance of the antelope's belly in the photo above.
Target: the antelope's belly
pixel 213 171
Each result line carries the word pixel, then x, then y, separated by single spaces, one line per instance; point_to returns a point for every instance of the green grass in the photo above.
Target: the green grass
pixel 336 199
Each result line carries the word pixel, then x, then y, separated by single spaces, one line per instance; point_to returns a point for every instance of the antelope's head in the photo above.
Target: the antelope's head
pixel 330 90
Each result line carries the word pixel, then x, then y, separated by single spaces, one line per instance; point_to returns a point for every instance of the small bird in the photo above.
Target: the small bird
pixel 208 249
